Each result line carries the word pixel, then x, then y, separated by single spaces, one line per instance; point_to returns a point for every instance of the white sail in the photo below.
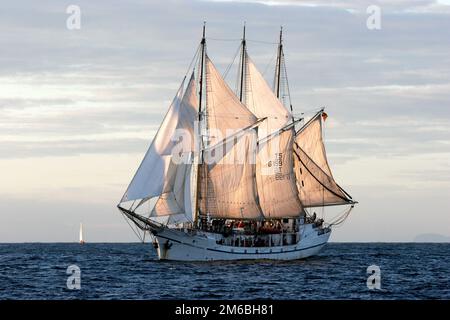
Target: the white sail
pixel 227 184
pixel 176 196
pixel 277 191
pixel 225 113
pixel 160 174
pixel 260 100
pixel 227 187
pixel 315 182
pixel 310 139
pixel 188 115
pixel 81 233
pixel 278 195
pixel 150 177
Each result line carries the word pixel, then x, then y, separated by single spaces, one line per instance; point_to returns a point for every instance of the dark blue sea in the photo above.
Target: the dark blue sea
pixel 131 271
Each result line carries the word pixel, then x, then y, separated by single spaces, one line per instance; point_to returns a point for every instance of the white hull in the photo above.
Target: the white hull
pixel 176 244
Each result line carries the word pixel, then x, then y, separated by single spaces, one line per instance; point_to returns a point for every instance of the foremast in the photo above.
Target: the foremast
pixel 242 67
pixel 200 145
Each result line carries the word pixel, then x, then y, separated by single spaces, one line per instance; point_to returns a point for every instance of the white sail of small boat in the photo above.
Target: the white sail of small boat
pixel 234 175
pixel 81 234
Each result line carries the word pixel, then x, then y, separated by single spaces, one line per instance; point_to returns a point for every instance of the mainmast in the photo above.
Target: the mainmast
pixel 200 113
pixel 243 56
pixel 200 93
pixel 242 90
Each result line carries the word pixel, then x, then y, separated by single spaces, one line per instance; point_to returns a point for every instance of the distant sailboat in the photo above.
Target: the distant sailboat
pixel 81 234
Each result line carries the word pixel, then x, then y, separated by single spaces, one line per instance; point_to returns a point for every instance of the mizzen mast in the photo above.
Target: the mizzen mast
pixel 202 62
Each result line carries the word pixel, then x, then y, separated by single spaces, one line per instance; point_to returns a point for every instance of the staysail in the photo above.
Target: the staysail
pixel 175 198
pixel 160 173
pixel 316 185
pixel 150 177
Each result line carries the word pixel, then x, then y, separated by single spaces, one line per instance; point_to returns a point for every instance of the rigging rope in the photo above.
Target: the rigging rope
pixel 192 61
pixel 341 217
pixel 136 233
pixel 238 39
pixel 222 39
pixel 232 62
pixel 264 42
pixel 287 84
pixel 320 170
pixel 270 62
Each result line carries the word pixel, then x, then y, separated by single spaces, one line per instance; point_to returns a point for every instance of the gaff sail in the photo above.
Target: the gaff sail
pixel 275 178
pixel 316 185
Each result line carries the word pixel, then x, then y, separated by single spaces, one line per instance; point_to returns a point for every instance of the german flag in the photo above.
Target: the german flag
pixel 324 116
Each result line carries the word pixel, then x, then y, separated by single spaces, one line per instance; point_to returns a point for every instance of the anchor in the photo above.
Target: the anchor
pixel 167 245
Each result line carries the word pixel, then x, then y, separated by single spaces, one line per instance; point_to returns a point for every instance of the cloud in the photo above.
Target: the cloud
pixel 399 6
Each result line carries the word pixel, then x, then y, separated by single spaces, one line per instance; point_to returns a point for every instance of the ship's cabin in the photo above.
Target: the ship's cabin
pixel 253 233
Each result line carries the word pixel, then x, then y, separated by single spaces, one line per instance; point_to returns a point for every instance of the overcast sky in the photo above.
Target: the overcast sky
pixel 80 107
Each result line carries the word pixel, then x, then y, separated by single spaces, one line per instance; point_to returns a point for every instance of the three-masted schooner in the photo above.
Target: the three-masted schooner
pixel 232 175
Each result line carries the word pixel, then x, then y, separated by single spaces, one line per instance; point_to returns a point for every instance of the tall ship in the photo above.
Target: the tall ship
pixel 232 174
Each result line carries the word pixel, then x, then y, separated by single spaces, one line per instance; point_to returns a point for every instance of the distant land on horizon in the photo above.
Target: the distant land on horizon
pixel 431 237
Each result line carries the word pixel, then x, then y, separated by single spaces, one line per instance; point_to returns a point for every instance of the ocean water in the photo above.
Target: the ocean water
pixel 131 271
